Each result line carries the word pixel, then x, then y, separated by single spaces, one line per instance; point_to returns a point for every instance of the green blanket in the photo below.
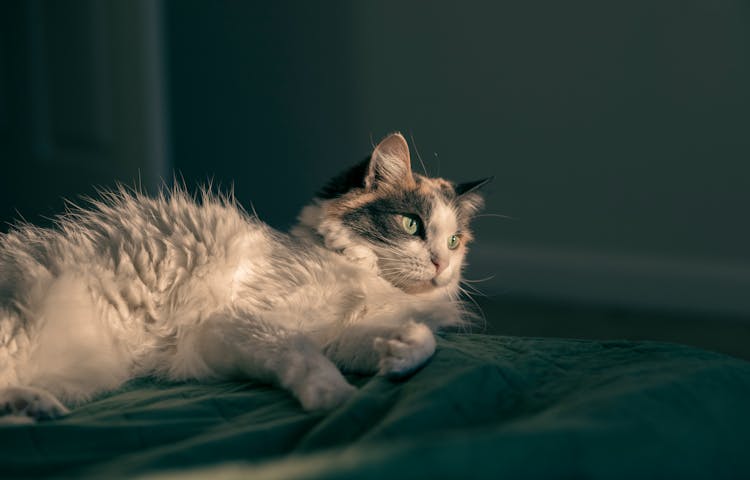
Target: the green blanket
pixel 484 407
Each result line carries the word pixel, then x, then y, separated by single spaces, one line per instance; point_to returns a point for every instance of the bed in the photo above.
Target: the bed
pixel 483 407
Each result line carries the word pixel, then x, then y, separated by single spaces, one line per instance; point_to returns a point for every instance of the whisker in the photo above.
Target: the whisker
pixel 481 314
pixel 474 290
pixel 419 157
pixel 478 280
pixel 495 215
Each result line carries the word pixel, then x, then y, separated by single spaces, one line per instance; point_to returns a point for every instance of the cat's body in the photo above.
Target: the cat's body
pixel 184 289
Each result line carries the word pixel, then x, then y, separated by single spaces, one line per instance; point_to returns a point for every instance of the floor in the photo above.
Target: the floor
pixel 539 318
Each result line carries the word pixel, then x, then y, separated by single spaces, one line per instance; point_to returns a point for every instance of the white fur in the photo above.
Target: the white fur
pixel 441 225
pixel 181 289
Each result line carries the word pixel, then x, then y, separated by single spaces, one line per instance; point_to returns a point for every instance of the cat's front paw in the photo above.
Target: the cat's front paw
pixel 406 350
pixel 323 390
pixel 31 403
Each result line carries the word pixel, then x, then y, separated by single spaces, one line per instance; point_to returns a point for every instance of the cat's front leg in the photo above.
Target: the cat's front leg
pixel 404 349
pixel 253 348
pixel 310 376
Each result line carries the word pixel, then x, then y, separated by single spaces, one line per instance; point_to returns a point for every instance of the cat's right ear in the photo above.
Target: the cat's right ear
pixel 469 199
pixel 390 165
pixel 468 187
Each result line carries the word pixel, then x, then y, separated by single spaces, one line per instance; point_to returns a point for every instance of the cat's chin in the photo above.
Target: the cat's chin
pixel 426 286
pixel 421 287
pixel 441 281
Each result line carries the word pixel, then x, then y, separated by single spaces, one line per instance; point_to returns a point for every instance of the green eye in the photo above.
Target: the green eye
pixel 453 242
pixel 410 224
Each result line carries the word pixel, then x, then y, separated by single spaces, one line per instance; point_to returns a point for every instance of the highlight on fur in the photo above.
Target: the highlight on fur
pixel 183 287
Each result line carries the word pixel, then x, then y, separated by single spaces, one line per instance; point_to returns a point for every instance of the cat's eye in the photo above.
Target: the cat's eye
pixel 410 224
pixel 454 241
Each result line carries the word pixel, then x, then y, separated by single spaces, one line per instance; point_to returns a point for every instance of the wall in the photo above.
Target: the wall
pixel 263 99
pixel 80 102
pixel 617 132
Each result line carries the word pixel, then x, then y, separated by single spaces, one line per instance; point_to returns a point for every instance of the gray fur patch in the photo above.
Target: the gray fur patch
pixel 379 222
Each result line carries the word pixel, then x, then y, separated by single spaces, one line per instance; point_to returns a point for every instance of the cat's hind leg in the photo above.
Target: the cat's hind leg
pixel 73 352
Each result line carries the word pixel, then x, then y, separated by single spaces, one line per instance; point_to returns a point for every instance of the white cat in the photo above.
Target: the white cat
pixel 183 289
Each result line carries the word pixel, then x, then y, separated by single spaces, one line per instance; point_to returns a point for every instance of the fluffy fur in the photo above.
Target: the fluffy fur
pixel 181 288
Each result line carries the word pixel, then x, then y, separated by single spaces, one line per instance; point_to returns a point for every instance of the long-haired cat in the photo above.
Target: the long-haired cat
pixel 183 289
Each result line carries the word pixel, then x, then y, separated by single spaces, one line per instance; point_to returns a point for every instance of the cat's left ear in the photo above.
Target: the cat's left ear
pixel 469 199
pixel 390 165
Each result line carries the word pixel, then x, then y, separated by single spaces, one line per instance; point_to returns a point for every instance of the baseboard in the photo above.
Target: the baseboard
pixel 639 281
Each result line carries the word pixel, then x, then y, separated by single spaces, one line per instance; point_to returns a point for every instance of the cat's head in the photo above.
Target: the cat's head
pixel 413 229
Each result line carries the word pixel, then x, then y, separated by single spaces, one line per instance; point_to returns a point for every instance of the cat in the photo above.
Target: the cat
pixel 184 289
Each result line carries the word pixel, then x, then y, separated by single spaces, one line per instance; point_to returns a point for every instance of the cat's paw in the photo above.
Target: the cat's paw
pixel 323 390
pixel 31 403
pixel 406 350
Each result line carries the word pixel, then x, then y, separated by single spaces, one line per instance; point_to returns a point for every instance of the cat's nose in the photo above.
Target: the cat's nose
pixel 439 265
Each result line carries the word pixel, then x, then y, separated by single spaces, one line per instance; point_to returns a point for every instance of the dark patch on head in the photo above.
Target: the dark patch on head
pixel 378 221
pixel 444 188
pixel 447 191
pixel 345 181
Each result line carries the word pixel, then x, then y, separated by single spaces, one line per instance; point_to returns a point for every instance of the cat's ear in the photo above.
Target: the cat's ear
pixel 390 165
pixel 469 199
pixel 468 187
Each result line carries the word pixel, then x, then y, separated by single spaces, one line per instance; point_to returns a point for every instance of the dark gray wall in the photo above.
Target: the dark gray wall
pixel 618 126
pixel 80 101
pixel 618 133
pixel 264 96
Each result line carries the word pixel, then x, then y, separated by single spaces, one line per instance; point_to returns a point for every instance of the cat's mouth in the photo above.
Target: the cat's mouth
pixel 414 281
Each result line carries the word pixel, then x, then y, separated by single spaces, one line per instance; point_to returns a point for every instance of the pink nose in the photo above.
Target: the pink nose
pixel 439 266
